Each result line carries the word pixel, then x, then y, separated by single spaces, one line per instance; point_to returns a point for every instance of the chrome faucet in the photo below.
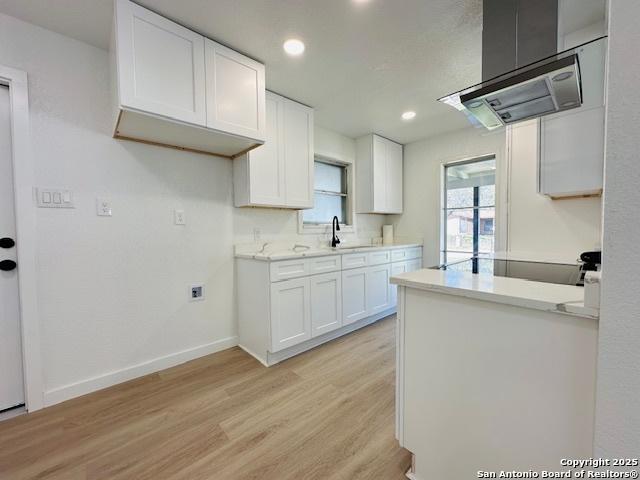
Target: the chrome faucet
pixel 335 223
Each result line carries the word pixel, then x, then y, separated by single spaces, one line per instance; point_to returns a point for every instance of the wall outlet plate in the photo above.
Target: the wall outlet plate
pixel 196 293
pixel 179 217
pixel 103 207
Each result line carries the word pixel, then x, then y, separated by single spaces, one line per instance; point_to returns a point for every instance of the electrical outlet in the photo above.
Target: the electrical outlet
pixel 197 292
pixel 179 218
pixel 103 207
pixel 256 235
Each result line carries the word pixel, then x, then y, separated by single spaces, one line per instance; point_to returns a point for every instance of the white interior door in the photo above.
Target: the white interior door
pixel 11 383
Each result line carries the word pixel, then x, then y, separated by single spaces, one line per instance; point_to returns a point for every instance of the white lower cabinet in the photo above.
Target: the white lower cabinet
pixel 290 313
pixel 399 268
pixel 298 302
pixel 326 303
pixel 378 292
pixel 354 295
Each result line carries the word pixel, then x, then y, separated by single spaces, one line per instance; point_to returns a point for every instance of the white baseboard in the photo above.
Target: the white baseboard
pixel 67 392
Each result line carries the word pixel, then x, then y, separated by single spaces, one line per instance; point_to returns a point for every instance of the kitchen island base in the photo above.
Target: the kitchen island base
pixel 484 386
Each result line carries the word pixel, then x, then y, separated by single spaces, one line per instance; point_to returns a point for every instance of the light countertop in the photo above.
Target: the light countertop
pixel 566 299
pixel 290 254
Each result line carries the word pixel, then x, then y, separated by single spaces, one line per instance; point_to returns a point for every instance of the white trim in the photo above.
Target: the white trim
pixel 23 178
pixel 93 384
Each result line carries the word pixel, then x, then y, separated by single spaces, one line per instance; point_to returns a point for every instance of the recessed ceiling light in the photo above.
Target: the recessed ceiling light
pixel 294 47
pixel 408 115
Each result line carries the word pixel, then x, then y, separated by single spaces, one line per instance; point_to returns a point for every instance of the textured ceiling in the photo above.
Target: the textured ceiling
pixel 365 63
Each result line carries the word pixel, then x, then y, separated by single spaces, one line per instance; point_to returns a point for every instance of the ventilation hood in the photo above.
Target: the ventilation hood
pixel 552 83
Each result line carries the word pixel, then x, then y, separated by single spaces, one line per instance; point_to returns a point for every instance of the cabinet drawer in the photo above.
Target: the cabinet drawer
pixel 399 255
pixel 355 260
pixel 324 264
pixel 289 269
pixel 380 257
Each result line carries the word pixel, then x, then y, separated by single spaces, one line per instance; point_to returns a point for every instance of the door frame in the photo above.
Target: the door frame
pixel 25 214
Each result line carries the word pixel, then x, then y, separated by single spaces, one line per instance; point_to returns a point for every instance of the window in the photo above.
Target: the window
pixel 330 194
pixel 469 209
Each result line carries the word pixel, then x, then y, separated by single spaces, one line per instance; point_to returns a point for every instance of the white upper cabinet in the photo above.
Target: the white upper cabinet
pixel 173 87
pixel 235 92
pixel 279 173
pixel 571 157
pixel 572 154
pixel 298 154
pixel 379 175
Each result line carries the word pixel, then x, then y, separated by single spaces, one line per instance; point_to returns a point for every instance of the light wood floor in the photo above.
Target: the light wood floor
pixel 326 414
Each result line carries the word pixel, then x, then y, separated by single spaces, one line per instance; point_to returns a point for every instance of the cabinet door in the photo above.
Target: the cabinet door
pixel 290 313
pixel 161 67
pixel 326 303
pixel 235 92
pixel 354 295
pixel 394 177
pixel 378 291
pixel 298 154
pixel 379 173
pixel 572 162
pixel 396 269
pixel 266 163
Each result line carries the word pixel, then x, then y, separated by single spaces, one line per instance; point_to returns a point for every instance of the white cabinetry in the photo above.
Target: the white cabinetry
pixel 326 303
pixel 235 92
pixel 173 87
pixel 354 295
pixel 279 173
pixel 378 291
pixel 290 313
pixel 379 175
pixel 288 306
pixel 571 157
pixel 399 268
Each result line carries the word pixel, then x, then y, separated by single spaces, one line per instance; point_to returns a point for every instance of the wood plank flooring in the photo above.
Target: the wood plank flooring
pixel 326 414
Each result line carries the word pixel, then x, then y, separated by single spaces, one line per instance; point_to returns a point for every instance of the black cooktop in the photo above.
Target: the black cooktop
pixel 560 273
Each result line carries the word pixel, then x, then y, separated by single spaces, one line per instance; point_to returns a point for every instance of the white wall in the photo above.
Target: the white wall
pixel 113 292
pixel 537 226
pixel 618 393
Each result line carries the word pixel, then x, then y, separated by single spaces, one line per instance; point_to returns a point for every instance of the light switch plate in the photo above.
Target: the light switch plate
pixel 103 207
pixel 54 198
pixel 179 218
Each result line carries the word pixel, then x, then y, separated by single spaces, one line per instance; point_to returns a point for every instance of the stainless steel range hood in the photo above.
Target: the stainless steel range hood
pixel 553 83
pixel 522 95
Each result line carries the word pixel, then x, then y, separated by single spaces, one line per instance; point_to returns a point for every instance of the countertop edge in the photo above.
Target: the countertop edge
pixel 328 253
pixel 566 308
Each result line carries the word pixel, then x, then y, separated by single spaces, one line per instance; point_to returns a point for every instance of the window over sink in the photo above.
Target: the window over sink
pixel 331 194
